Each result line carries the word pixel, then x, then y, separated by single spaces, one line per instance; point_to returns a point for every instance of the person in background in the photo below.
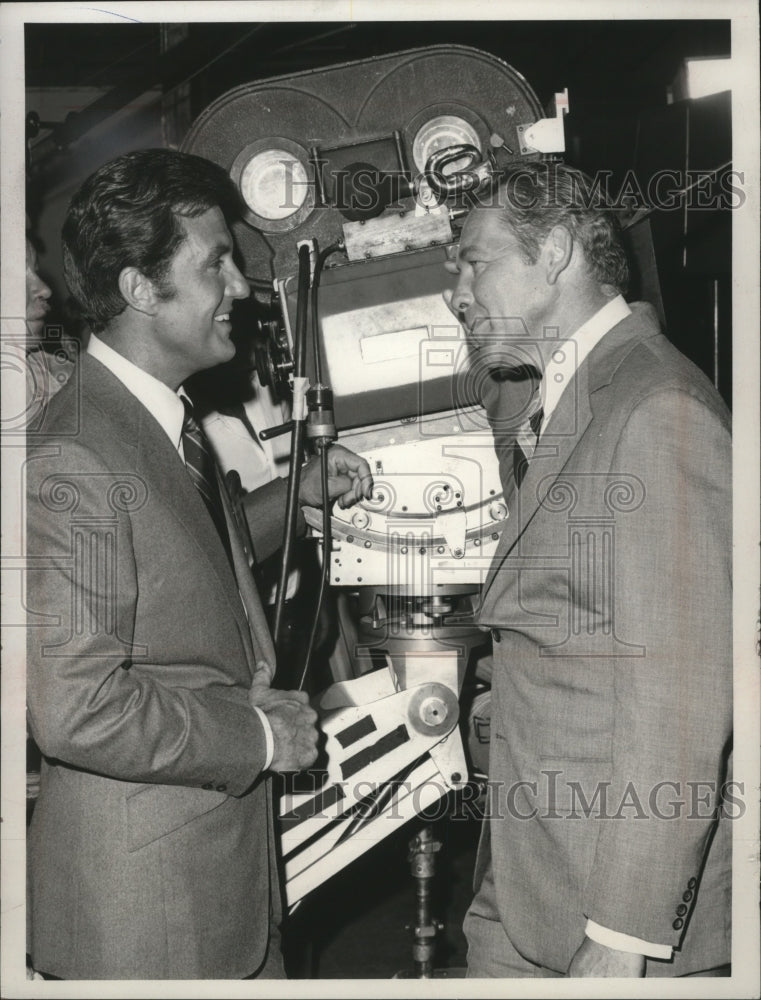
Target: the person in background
pixel 43 380
pixel 37 298
pixel 44 377
pixel 48 365
pixel 233 432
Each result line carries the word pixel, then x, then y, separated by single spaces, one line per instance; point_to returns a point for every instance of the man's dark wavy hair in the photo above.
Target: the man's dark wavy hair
pixel 127 214
pixel 536 197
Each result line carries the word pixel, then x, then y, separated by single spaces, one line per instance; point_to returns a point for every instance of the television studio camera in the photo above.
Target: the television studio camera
pixel 355 181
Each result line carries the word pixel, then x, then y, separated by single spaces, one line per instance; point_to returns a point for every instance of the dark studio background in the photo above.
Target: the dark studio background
pixel 117 87
pixel 100 90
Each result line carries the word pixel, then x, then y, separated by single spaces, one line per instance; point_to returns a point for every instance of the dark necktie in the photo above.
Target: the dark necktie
pixel 525 444
pixel 199 462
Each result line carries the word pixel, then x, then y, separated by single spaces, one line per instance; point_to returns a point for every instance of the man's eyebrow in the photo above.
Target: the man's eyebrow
pixel 481 251
pixel 219 250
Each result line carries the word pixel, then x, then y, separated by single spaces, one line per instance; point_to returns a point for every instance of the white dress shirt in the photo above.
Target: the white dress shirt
pixel 168 410
pixel 160 401
pixel 563 365
pixel 569 354
pixel 257 462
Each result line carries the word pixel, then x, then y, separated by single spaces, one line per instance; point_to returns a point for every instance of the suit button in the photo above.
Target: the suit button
pixel 221 788
pixel 687 896
pixel 495 636
pixel 681 909
pixel 678 924
pixel 692 883
pixel 207 787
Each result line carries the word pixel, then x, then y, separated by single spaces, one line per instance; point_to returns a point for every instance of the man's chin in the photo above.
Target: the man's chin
pixel 224 352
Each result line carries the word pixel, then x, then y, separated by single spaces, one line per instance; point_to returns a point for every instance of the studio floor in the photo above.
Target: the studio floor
pixel 356 925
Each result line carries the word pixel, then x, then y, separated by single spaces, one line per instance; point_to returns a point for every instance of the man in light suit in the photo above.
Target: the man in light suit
pixel 607 847
pixel 151 850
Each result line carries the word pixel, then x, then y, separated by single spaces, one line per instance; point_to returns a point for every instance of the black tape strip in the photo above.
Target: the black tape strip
pixel 354 732
pixel 372 753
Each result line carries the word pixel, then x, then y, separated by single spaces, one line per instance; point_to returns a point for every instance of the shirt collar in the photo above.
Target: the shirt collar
pixel 165 406
pixel 568 356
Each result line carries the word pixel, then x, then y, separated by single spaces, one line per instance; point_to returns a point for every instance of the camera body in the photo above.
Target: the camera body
pixel 375 162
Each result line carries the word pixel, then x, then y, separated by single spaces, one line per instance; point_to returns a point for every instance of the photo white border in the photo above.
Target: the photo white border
pixel 747 473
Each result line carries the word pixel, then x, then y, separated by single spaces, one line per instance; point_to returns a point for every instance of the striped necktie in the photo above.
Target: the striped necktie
pixel 199 462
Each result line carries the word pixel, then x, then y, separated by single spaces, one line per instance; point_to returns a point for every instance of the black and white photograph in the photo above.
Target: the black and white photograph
pixel 381 598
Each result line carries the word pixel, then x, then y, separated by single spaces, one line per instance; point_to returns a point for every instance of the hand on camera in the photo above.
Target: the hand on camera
pixel 349 479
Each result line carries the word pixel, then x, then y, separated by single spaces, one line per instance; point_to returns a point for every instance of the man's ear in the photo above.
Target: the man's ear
pixel 558 248
pixel 138 291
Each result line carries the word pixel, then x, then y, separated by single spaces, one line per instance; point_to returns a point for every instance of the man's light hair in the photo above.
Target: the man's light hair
pixel 536 197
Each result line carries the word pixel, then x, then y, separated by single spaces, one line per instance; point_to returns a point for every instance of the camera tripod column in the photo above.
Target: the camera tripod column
pixel 422 857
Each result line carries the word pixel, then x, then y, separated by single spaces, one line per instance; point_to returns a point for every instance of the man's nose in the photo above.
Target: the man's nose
pixel 39 289
pixel 462 297
pixel 237 286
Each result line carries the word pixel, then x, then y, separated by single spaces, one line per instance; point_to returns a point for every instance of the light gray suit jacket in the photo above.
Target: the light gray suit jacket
pixel 610 601
pixel 151 848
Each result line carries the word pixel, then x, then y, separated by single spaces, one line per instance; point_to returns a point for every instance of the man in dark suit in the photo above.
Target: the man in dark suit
pixel 151 849
pixel 607 847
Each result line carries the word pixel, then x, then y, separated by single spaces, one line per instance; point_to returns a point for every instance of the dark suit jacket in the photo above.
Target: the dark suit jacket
pixel 150 849
pixel 611 598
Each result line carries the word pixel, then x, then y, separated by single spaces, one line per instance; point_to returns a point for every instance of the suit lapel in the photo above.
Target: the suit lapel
pixel 162 468
pixel 556 444
pixel 259 640
pixel 567 425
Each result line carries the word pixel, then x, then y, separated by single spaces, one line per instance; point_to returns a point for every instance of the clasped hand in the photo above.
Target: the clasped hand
pixel 291 720
pixel 349 479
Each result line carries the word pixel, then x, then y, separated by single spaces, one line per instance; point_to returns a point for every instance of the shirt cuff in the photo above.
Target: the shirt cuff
pixel 625 942
pixel 269 741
